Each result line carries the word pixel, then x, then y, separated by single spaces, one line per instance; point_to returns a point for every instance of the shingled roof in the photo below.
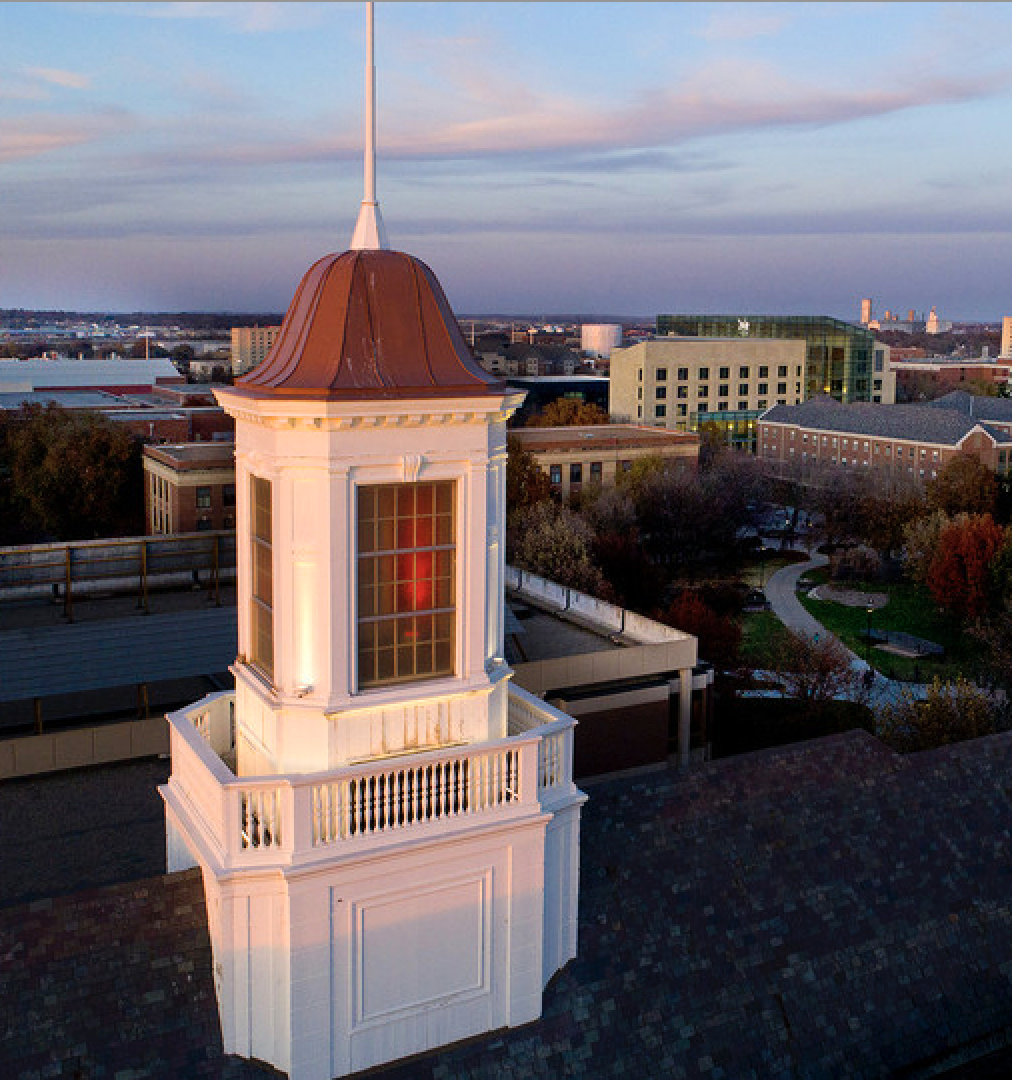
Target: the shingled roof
pixel 917 423
pixel 822 910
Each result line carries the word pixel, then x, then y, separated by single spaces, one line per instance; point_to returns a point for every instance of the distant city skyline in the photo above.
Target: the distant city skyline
pixel 627 159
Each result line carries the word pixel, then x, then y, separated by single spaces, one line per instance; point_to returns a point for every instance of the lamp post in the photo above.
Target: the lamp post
pixel 867 637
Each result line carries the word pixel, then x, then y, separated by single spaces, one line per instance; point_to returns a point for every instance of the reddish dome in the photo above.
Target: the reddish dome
pixel 365 325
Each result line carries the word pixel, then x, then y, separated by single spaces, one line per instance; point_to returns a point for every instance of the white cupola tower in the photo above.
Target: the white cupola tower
pixel 388 831
pixel 370 477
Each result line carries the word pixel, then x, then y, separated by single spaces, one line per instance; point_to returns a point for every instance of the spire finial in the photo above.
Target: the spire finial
pixel 369 235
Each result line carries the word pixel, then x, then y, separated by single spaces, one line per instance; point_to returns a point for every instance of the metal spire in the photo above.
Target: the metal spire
pixel 370 234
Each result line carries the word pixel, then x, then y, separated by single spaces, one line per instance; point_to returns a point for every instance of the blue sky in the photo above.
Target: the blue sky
pixel 604 158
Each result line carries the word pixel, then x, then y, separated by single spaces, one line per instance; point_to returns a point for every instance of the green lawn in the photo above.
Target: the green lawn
pixel 758 630
pixel 911 610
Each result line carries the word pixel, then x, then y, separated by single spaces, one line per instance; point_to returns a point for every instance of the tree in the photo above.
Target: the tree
pixel 920 543
pixel 68 475
pixel 526 483
pixel 885 512
pixel 719 636
pixel 569 412
pixel 949 713
pixel 959 575
pixel 814 671
pixel 963 486
pixel 551 541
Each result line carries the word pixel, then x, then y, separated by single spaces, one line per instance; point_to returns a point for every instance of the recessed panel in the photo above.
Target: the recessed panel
pixel 412 952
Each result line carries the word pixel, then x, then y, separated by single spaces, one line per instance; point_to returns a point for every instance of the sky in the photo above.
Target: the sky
pixel 609 159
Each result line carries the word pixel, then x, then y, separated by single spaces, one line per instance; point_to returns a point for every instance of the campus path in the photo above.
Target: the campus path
pixel 782 593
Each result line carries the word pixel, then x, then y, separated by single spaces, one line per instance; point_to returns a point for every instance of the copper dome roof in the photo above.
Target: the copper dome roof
pixel 369 325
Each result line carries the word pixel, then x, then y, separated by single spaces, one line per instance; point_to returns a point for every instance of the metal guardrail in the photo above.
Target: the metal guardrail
pixel 124 564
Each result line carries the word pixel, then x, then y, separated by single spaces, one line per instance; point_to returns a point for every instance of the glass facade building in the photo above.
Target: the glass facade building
pixel 839 355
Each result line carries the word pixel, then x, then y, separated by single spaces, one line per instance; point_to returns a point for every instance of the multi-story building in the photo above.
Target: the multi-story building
pixel 737 366
pixel 691 383
pixel 840 358
pixel 927 378
pixel 912 442
pixel 189 487
pixel 250 346
pixel 575 457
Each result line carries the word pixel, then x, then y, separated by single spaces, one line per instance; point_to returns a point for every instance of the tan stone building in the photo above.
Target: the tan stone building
pixel 189 487
pixel 250 346
pixel 683 383
pixel 575 457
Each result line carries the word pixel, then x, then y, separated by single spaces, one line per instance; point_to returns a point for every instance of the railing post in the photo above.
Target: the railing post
pixel 214 570
pixel 68 602
pixel 37 703
pixel 142 600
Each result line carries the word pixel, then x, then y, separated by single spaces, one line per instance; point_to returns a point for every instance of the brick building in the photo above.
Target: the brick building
pixel 189 487
pixel 910 441
pixel 578 456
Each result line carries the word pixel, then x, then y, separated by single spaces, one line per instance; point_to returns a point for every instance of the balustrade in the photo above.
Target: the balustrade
pixel 255 818
pixel 398 797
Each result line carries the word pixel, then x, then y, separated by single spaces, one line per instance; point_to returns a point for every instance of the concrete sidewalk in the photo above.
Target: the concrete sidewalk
pixel 782 593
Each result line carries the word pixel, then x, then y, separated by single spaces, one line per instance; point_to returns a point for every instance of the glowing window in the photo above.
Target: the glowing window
pixel 406 594
pixel 262 562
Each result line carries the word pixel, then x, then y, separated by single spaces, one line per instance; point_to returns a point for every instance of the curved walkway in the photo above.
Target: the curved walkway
pixel 782 593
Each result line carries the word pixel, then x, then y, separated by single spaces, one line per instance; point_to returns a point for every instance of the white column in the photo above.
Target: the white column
pixel 684 714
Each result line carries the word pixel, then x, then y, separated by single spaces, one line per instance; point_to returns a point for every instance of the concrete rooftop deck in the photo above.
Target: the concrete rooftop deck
pixel 822 910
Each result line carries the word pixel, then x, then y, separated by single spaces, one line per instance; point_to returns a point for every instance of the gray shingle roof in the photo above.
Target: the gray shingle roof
pixel 992 409
pixel 919 423
pixel 823 910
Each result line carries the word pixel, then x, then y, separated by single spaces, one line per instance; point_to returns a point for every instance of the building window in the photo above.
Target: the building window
pixel 595 472
pixel 406 569
pixel 782 371
pixel 763 388
pixel 203 498
pixel 724 373
pixel 662 392
pixel 662 374
pixel 576 474
pixel 742 406
pixel 722 390
pixel 764 371
pixel 682 410
pixel 683 374
pixel 743 389
pixel 781 388
pixel 703 373
pixel 262 562
pixel 555 474
pixel 703 391
pixel 204 524
pixel 682 392
pixel 228 495
pixel 743 373
pixel 661 411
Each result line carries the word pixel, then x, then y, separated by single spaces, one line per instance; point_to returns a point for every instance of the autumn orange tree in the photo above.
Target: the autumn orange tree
pixel 568 412
pixel 959 575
